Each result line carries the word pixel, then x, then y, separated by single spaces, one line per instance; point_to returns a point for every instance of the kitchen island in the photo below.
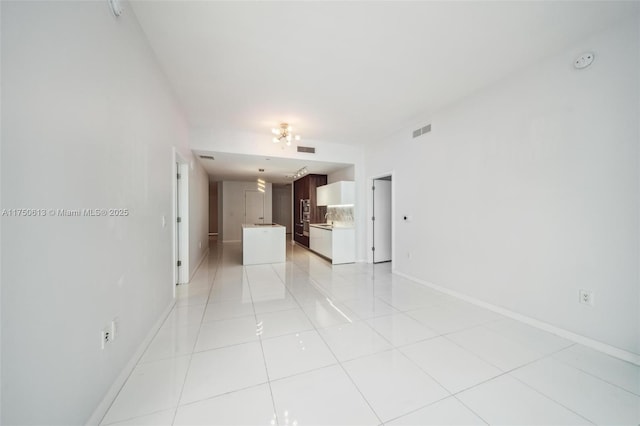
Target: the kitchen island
pixel 263 243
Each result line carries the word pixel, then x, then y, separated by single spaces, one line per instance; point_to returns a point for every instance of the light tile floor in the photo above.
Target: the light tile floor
pixel 307 343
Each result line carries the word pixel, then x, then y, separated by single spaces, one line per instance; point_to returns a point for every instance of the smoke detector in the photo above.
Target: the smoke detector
pixel 584 60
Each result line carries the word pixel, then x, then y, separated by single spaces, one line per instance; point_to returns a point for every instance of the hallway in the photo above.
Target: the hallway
pixel 304 343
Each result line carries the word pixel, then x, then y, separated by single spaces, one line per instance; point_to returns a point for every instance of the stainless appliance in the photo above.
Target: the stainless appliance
pixel 305 216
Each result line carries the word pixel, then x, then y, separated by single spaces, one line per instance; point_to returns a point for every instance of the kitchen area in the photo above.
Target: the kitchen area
pixel 259 203
pixel 324 217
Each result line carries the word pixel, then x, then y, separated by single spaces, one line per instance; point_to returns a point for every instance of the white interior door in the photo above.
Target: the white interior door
pixel 178 225
pixel 181 222
pixel 253 207
pixel 381 220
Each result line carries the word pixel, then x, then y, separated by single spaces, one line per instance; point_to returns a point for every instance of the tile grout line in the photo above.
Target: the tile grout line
pixel 507 373
pixel 455 394
pixel 219 395
pixel 594 374
pixel 397 348
pixel 550 356
pixel 451 394
pixel 342 366
pixel 264 358
pixel 392 348
pixel 470 409
pixel 502 372
pixel 317 330
pixel 138 363
pixel 551 399
pixel 184 382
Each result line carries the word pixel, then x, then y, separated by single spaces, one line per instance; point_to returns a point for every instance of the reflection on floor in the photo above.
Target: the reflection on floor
pixel 303 342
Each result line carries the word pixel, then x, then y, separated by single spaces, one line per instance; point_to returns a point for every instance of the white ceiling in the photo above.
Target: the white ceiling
pixel 351 72
pixel 241 167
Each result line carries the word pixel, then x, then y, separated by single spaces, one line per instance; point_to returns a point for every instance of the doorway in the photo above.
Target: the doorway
pixel 180 218
pixel 281 206
pixel 381 219
pixel 253 207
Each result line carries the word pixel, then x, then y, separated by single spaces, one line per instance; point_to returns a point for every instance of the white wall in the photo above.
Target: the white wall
pixel 198 215
pixel 347 173
pixel 1 222
pixel 233 207
pixel 87 122
pixel 528 191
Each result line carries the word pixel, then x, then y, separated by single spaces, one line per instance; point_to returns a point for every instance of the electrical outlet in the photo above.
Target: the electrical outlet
pixel 108 334
pixel 586 297
pixel 105 337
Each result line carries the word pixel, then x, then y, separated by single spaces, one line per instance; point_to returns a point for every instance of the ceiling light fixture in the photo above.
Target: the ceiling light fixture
pixel 303 171
pixel 284 132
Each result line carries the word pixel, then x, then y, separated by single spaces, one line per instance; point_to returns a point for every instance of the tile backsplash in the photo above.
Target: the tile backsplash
pixel 340 216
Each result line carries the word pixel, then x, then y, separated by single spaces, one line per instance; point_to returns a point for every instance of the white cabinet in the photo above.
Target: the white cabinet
pixel 322 195
pixel 345 192
pixel 320 241
pixel 337 244
pixel 337 193
pixel 343 245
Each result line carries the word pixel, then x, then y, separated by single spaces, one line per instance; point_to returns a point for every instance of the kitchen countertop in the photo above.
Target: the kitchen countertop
pixel 261 225
pixel 330 227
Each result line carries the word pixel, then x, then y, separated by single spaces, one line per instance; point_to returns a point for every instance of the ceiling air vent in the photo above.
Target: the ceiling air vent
pixel 422 131
pixel 207 157
pixel 306 149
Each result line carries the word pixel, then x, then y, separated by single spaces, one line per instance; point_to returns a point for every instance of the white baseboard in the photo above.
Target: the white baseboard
pixel 569 335
pixel 204 256
pixel 112 393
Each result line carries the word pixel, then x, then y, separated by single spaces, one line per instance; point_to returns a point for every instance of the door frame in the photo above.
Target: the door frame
pixel 370 236
pixel 181 240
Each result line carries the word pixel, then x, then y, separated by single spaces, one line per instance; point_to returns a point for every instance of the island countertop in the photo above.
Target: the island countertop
pixel 261 225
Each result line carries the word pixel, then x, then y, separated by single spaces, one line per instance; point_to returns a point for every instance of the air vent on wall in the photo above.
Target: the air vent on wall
pixel 422 131
pixel 306 149
pixel 207 157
